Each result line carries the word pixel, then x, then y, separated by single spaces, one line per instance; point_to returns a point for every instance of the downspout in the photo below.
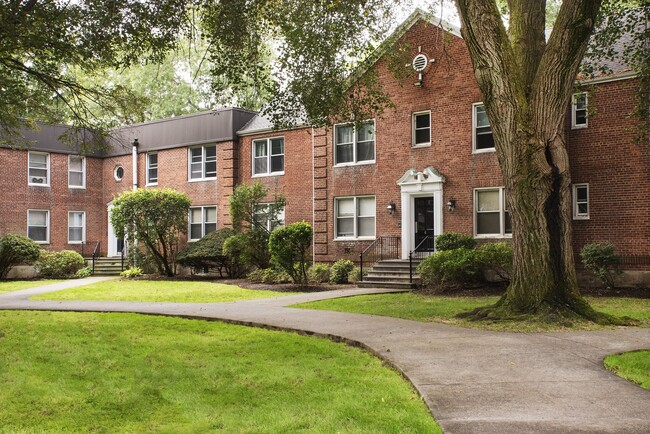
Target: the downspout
pixel 135 164
pixel 313 195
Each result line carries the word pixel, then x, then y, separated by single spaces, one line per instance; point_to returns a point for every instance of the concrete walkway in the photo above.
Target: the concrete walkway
pixel 473 381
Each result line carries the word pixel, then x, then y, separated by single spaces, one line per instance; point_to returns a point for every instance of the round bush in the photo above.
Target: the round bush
pixel 449 268
pixel 63 264
pixel 340 271
pixel 319 273
pixel 454 240
pixel 496 257
pixel 15 250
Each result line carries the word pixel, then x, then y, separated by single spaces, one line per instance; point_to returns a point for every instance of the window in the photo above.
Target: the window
pixel 268 156
pixel 422 129
pixel 354 145
pixel 581 201
pixel 76 227
pixel 579 110
pixel 118 173
pixel 263 217
pixel 76 171
pixel 355 217
pixel 492 218
pixel 152 168
pixel 203 220
pixel 38 225
pixel 203 163
pixel 39 169
pixel 482 139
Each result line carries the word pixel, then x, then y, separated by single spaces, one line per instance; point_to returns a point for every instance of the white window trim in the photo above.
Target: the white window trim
pixel 502 207
pixel 203 157
pixel 203 222
pixel 474 150
pixel 576 215
pixel 47 231
pixel 83 227
pixel 574 107
pixel 148 182
pixel 354 161
pixel 281 212
pixel 356 218
pixel 423 144
pixel 268 157
pixel 115 172
pixel 29 180
pixel 83 172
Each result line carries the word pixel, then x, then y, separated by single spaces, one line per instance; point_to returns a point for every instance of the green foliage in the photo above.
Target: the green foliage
pixel 156 217
pixel 255 276
pixel 16 249
pixel 59 265
pixel 340 271
pixel 289 247
pixel 272 276
pixel 454 240
pixel 83 272
pixel 449 268
pixel 495 257
pixel 602 260
pixel 319 273
pixel 239 250
pixel 131 272
pixel 355 275
pixel 208 252
pixel 247 211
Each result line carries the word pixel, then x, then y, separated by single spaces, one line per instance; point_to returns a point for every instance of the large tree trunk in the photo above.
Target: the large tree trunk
pixel 527 84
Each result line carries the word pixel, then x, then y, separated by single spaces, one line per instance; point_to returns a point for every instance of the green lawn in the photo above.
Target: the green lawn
pixel 16 285
pixel 633 366
pixel 159 290
pixel 436 308
pixel 83 372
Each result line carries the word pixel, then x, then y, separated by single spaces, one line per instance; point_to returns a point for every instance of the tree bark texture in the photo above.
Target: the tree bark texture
pixel 527 84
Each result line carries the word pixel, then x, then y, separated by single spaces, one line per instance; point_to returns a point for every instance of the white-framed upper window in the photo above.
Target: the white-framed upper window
pixel 491 215
pixel 579 110
pixel 354 217
pixel 203 220
pixel 76 171
pixel 354 145
pixel 38 169
pixel 263 217
pixel 421 130
pixel 38 225
pixel 76 227
pixel 482 138
pixel 152 168
pixel 202 162
pixel 268 156
pixel 581 201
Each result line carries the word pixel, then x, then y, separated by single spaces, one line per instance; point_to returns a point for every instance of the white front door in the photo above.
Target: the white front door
pixel 114 243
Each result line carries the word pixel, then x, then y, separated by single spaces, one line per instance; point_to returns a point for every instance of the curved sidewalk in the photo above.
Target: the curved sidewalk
pixel 473 381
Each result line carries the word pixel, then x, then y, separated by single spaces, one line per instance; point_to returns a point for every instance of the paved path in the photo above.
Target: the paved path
pixel 473 381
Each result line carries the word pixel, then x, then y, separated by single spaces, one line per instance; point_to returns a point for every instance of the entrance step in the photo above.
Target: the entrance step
pixel 106 266
pixel 391 273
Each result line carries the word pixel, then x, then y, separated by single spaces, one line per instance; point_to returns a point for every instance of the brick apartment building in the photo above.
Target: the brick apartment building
pixel 424 167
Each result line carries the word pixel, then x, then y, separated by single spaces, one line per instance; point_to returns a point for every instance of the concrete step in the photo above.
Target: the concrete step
pixel 392 285
pixel 388 278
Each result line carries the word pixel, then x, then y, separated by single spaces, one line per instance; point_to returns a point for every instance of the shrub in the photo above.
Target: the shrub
pixel 132 272
pixel 208 252
pixel 319 273
pixel 247 250
pixel 255 276
pixel 355 275
pixel 340 271
pixel 449 268
pixel 289 248
pixel 496 257
pixel 454 240
pixel 16 249
pixel 601 259
pixel 83 272
pixel 63 264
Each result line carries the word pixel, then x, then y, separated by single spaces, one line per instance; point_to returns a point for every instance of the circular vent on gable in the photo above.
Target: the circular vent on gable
pixel 420 62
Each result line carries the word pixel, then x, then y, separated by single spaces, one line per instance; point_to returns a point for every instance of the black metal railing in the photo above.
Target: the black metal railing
pixel 380 249
pixel 96 253
pixel 426 246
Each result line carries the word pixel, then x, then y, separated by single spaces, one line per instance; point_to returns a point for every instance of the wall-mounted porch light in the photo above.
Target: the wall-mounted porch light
pixel 391 207
pixel 451 205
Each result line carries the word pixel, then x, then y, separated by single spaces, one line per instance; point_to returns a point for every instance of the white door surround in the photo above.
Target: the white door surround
pixel 427 183
pixel 112 247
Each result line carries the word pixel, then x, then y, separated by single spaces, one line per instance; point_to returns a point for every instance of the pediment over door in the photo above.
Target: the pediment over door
pixel 426 176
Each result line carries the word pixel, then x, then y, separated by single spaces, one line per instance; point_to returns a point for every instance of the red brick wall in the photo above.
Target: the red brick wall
pixel 17 197
pixel 617 169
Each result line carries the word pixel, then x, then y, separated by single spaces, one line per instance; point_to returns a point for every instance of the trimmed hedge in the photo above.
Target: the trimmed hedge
pixel 15 250
pixel 59 265
pixel 208 252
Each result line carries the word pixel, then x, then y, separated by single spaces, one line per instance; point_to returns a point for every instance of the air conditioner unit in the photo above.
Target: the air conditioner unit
pixel 39 180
